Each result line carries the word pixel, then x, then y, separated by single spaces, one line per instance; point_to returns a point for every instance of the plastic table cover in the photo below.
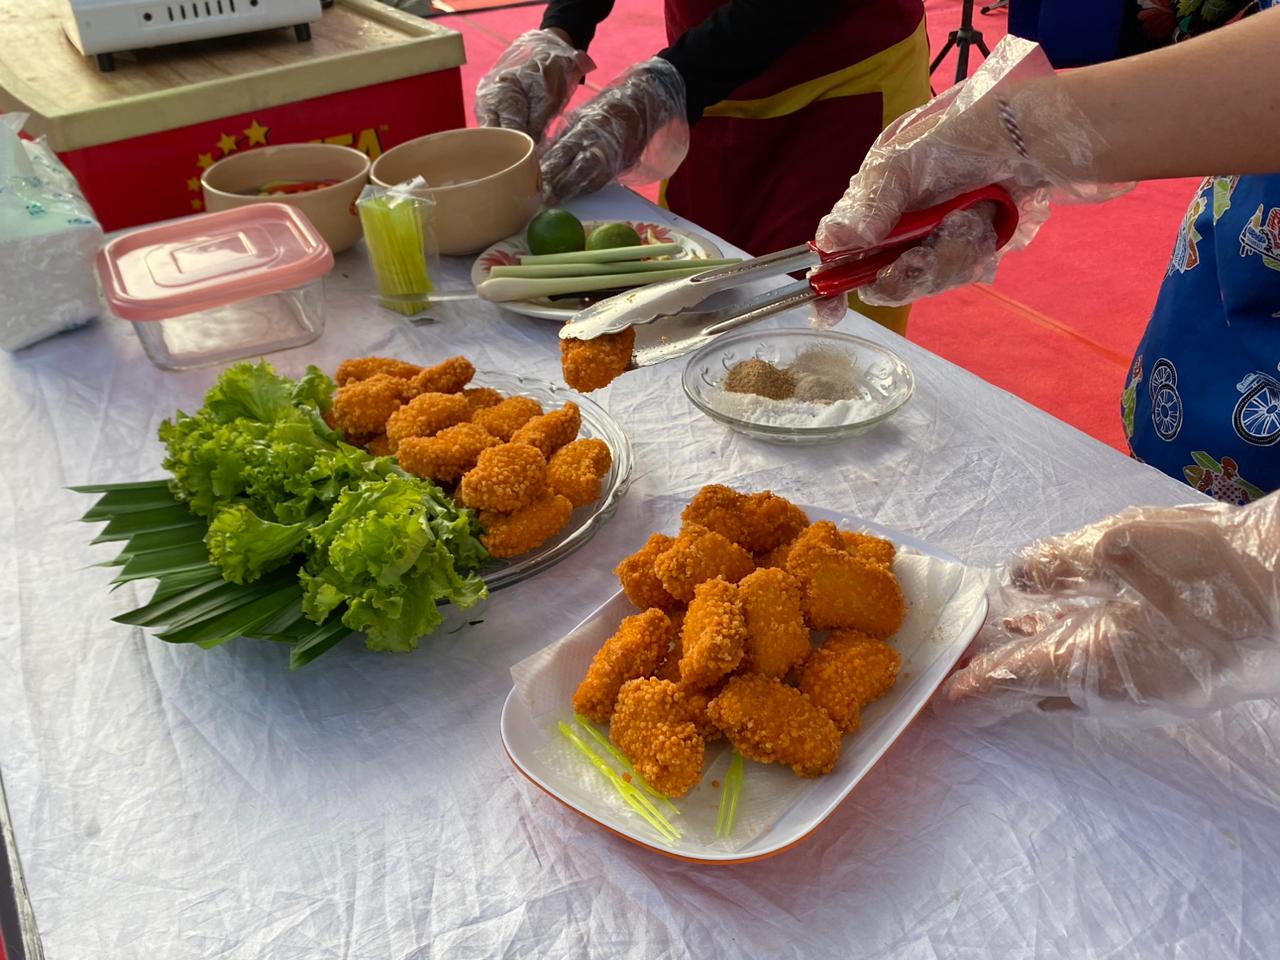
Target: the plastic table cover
pixel 172 802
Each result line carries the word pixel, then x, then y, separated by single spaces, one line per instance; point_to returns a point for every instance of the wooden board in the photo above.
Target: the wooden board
pixel 357 43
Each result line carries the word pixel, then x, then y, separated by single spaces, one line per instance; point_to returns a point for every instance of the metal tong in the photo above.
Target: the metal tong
pixel 667 328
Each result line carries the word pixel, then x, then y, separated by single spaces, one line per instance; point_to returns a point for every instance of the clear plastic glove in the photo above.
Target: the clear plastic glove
pixel 531 83
pixel 959 142
pixel 634 130
pixel 1152 613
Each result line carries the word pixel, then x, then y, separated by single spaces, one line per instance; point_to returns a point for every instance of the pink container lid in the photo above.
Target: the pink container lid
pixel 211 260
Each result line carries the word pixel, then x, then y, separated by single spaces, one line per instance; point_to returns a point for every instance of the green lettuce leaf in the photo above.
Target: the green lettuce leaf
pixel 244 546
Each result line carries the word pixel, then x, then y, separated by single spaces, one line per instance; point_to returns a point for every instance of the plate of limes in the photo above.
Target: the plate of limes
pixel 558 232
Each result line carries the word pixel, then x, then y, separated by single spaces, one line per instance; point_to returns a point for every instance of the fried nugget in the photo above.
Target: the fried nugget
pixel 481 398
pixel 719 509
pixel 505 478
pixel 770 722
pixel 668 667
pixel 426 415
pixel 777 638
pixel 841 591
pixel 551 431
pixel 639 581
pixel 362 407
pixel 362 368
pixel 633 651
pixel 846 673
pixel 696 701
pixel 574 471
pixel 651 727
pixel 698 555
pixel 511 534
pixel 446 456
pixel 379 446
pixel 869 549
pixel 450 376
pixel 769 521
pixel 714 634
pixel 777 557
pixel 591 364
pixel 505 418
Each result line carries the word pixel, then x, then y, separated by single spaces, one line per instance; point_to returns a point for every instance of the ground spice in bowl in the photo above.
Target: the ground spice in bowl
pixel 761 378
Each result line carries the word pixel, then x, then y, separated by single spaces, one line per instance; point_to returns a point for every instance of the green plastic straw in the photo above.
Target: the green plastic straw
pixel 634 798
pixel 397 250
pixel 729 798
pixel 621 757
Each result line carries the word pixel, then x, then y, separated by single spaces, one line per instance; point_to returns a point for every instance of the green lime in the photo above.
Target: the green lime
pixel 556 231
pixel 610 235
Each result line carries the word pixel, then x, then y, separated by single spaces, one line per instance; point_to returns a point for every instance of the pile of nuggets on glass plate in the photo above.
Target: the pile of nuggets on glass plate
pixel 725 643
pixel 521 468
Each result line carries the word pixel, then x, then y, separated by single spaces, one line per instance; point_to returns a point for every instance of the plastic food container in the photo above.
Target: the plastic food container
pixel 221 286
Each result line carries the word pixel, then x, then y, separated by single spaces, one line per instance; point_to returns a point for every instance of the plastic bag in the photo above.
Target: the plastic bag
pixel 49 238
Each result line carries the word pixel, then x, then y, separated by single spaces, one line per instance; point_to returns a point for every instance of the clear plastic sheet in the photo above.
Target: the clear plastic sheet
pixel 191 804
pixel 530 83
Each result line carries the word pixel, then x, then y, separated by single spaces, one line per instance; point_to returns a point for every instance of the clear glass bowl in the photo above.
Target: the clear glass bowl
pixel 884 382
pixel 586 520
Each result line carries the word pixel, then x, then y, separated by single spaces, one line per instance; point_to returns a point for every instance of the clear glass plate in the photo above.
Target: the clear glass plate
pixel 884 381
pixel 586 520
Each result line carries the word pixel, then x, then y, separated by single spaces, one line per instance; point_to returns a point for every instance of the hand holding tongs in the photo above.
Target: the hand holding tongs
pixel 671 330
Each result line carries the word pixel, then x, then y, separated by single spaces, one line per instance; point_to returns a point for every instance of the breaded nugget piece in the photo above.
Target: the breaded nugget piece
pixel 699 555
pixel 446 456
pixel 841 591
pixel 449 376
pixel 574 471
pixel 379 446
pixel 651 728
pixel 696 701
pixel 770 521
pixel 505 418
pixel 362 407
pixel 511 534
pixel 551 431
pixel 770 722
pixel 639 581
pixel 869 549
pixel 848 672
pixel 591 364
pixel 481 398
pixel 426 415
pixel 823 533
pixel 668 667
pixel 633 651
pixel 777 557
pixel 714 634
pixel 719 509
pixel 362 368
pixel 777 638
pixel 505 478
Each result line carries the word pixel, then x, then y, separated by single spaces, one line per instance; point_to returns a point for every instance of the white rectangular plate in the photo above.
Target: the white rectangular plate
pixel 936 633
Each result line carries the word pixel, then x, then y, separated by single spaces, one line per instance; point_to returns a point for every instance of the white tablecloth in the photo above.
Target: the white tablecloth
pixel 176 803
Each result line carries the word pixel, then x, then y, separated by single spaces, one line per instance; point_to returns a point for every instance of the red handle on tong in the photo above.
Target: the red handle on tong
pixel 856 268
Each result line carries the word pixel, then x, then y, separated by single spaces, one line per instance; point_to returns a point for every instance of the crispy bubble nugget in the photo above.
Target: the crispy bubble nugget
pixel 591 364
pixel 770 722
pixel 511 534
pixel 640 582
pixel 446 456
pixel 633 651
pixel 841 591
pixel 380 446
pixel 362 407
pixel 362 368
pixel 777 638
pixel 868 548
pixel 769 521
pixel 698 555
pixel 651 727
pixel 505 418
pixel 447 377
pixel 575 470
pixel 505 478
pixel 551 431
pixel 714 635
pixel 481 398
pixel 849 671
pixel 426 415
pixel 719 509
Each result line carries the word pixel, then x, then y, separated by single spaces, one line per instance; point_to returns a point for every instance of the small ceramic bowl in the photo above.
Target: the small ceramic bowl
pixel 484 180
pixel 234 181
pixel 882 384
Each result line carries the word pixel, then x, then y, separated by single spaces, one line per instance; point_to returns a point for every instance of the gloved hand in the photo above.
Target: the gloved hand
pixel 1011 124
pixel 1152 612
pixel 635 130
pixel 531 83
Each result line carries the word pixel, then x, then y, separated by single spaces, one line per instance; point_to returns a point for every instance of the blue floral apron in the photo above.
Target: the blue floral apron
pixel 1203 398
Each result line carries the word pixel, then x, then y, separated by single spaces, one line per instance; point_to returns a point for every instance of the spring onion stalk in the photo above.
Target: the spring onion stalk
pixel 610 255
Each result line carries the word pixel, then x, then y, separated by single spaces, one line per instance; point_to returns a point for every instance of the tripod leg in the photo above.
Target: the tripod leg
pixel 962 63
pixel 982 45
pixel 942 54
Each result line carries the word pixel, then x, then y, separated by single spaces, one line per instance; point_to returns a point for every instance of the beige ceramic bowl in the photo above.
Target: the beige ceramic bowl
pixel 234 181
pixel 484 180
